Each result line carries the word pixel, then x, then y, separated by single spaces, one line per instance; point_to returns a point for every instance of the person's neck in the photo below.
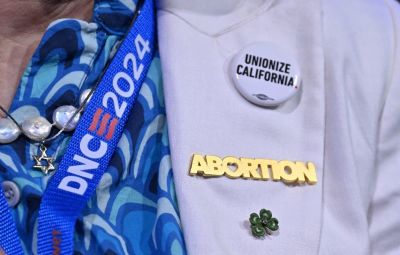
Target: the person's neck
pixel 22 24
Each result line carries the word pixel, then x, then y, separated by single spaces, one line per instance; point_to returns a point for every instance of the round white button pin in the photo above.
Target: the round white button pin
pixel 265 74
pixel 11 193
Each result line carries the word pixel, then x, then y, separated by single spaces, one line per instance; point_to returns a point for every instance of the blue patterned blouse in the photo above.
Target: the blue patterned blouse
pixel 134 210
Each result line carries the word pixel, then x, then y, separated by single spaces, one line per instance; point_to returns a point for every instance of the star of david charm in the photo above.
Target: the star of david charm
pixel 48 166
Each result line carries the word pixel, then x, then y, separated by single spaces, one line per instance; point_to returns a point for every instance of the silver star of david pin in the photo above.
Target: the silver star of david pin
pixel 48 165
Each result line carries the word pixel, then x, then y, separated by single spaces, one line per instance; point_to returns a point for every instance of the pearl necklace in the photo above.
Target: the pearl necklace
pixel 65 118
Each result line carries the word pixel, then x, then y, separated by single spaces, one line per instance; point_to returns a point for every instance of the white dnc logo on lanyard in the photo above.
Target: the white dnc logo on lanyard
pixel 265 75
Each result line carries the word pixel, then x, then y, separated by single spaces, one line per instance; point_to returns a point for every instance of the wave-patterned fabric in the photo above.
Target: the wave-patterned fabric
pixel 134 210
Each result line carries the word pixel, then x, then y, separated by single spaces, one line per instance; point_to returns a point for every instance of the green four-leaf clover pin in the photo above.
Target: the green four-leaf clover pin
pixel 263 224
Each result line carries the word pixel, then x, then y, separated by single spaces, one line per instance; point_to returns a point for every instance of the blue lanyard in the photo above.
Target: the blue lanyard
pixel 92 145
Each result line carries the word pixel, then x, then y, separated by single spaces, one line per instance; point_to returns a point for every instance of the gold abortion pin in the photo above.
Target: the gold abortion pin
pixel 297 172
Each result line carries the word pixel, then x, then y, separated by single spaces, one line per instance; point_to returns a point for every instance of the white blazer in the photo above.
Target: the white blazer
pixel 346 120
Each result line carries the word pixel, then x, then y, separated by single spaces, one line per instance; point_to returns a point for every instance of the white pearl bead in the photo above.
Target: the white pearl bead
pixel 63 114
pixel 9 131
pixel 83 96
pixel 37 128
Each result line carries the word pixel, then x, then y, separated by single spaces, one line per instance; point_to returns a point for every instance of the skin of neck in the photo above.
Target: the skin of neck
pixel 22 24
